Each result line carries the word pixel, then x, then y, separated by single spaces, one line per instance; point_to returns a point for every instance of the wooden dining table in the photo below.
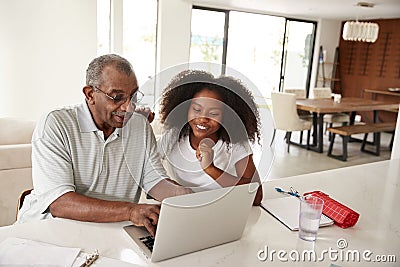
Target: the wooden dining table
pixel 320 107
pixel 375 92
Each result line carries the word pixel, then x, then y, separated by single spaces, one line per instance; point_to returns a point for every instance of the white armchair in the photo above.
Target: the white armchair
pixel 284 113
pixel 15 164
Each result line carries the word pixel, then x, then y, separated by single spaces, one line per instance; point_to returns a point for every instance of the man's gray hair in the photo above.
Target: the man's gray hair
pixel 95 69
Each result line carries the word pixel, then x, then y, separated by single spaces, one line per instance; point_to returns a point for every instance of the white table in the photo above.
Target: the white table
pixel 370 189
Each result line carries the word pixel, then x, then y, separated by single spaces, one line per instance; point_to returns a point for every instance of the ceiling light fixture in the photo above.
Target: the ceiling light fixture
pixel 361 31
pixel 365 4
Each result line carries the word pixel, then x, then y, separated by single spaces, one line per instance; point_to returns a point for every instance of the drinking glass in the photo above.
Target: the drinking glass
pixel 310 215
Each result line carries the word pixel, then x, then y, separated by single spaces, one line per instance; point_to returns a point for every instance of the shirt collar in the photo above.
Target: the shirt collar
pixel 86 122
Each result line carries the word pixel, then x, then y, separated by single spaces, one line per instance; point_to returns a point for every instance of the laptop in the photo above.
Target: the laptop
pixel 197 221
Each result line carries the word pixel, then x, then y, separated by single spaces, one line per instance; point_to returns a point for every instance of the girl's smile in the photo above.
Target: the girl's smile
pixel 204 116
pixel 201 127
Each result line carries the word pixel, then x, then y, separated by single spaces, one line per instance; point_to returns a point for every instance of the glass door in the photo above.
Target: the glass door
pixel 254 48
pixel 273 52
pixel 297 55
pixel 207 36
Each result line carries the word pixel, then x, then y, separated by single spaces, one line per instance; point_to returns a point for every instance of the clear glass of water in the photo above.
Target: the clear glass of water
pixel 310 215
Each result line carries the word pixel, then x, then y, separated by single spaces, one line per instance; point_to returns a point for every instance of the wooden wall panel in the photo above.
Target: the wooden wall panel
pixel 372 65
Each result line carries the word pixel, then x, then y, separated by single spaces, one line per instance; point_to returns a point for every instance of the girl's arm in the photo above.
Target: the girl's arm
pixel 248 173
pixel 245 168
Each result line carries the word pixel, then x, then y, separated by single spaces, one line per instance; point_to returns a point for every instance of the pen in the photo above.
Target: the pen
pixel 90 259
pixel 287 192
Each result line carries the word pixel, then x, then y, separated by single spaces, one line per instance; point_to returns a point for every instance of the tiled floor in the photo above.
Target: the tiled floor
pixel 301 161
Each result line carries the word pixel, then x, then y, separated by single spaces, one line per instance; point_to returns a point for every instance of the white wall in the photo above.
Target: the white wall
pixel 173 41
pixel 328 35
pixel 45 48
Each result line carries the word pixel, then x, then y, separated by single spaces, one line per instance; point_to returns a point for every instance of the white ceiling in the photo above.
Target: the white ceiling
pixel 313 9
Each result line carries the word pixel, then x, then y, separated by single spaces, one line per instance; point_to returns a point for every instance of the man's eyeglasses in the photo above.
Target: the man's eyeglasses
pixel 120 99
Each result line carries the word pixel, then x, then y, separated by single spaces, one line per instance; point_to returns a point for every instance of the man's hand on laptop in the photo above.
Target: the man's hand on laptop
pixel 145 215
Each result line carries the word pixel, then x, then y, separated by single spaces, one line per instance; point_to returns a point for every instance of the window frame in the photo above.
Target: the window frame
pixel 226 39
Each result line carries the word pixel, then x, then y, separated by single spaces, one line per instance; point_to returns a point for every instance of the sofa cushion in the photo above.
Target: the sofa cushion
pixel 12 183
pixel 16 131
pixel 15 156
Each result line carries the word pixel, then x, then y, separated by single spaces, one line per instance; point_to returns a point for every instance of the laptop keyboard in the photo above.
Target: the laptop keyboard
pixel 148 241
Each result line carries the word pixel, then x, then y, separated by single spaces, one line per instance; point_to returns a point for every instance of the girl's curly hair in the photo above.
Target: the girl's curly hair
pixel 240 108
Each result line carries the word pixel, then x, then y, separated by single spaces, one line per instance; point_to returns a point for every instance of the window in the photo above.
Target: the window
pixel 297 54
pixel 273 52
pixel 207 36
pixel 103 27
pixel 138 42
pixel 258 56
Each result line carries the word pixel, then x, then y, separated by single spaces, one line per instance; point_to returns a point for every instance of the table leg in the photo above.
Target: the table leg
pixel 352 117
pixel 352 120
pixel 315 131
pixel 376 118
pixel 376 135
pixel 320 133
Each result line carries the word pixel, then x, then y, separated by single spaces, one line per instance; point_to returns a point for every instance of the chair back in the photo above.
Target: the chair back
pixel 396 140
pixel 284 111
pixel 21 199
pixel 300 93
pixel 321 92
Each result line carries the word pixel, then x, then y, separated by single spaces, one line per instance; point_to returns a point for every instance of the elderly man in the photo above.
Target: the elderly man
pixel 90 161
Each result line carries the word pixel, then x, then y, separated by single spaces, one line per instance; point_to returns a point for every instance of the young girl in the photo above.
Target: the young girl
pixel 208 124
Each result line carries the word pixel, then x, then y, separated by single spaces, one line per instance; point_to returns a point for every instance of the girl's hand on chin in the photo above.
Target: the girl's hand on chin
pixel 205 153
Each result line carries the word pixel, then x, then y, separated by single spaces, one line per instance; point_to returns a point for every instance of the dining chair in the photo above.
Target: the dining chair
pixel 320 92
pixel 300 94
pixel 285 117
pixel 21 200
pixel 329 119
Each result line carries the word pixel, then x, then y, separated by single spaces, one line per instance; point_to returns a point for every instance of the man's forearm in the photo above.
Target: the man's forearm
pixel 74 206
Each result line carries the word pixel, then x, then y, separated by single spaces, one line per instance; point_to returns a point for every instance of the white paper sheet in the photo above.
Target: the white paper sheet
pixel 287 210
pixel 24 252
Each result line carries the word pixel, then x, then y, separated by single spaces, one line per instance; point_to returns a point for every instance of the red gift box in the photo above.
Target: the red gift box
pixel 342 216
